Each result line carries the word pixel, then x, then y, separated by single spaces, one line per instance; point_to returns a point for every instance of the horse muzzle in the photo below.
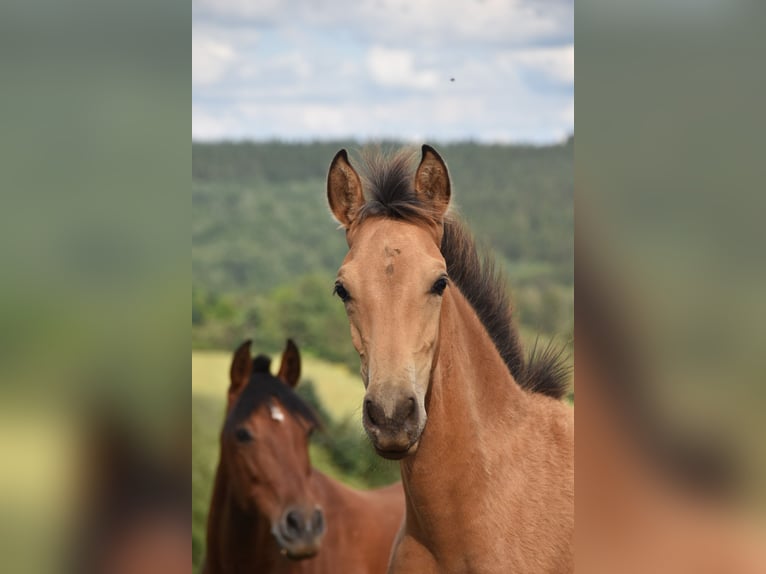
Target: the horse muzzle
pixel 394 427
pixel 299 532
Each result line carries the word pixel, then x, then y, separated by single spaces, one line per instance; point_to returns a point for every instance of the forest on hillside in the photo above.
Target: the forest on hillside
pixel 265 248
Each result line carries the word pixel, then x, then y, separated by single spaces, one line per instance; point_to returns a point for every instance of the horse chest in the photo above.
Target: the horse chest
pixel 413 556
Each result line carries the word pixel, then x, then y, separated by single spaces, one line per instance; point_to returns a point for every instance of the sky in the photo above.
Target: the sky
pixel 414 70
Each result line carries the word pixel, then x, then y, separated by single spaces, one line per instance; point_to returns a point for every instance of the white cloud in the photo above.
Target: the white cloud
pixel 260 10
pixel 207 127
pixel 325 118
pixel 555 63
pixel 210 60
pixel 396 69
pixel 444 22
pixel 568 114
pixel 437 22
pixel 292 63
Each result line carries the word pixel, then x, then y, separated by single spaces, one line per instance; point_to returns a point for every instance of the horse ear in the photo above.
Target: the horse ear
pixel 290 369
pixel 432 185
pixel 344 190
pixel 241 368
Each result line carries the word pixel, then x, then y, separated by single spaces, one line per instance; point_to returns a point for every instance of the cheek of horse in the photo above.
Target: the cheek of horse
pixel 265 501
pixel 356 336
pixel 421 391
pixel 356 339
pixel 244 482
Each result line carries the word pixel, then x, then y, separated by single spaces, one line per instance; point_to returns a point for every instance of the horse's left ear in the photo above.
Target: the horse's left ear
pixel 290 369
pixel 432 183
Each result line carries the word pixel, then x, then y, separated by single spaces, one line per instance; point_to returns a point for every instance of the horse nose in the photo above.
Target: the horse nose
pixel 299 532
pixel 299 524
pixel 392 415
pixel 317 522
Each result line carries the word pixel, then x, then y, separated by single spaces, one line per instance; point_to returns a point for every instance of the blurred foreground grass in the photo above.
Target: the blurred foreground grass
pixel 339 390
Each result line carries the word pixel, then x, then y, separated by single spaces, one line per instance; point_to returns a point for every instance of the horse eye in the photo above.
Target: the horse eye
pixel 243 435
pixel 341 292
pixel 439 286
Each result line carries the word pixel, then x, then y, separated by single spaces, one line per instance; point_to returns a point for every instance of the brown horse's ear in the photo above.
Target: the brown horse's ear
pixel 432 185
pixel 239 373
pixel 344 190
pixel 290 369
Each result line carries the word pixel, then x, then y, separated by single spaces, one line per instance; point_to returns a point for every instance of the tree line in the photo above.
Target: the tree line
pixel 265 248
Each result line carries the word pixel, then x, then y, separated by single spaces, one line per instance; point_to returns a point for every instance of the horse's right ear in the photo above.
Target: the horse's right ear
pixel 344 190
pixel 239 373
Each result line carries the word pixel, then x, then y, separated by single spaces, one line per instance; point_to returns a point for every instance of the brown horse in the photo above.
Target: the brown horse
pixel 270 510
pixel 485 443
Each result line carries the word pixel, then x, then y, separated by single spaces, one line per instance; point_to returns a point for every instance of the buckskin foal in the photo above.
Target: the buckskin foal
pixel 485 443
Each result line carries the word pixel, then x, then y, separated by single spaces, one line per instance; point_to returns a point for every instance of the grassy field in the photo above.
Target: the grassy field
pixel 339 389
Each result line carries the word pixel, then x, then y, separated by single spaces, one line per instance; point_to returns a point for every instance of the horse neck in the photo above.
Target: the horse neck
pixel 472 400
pixel 236 541
pixel 471 384
pixel 324 488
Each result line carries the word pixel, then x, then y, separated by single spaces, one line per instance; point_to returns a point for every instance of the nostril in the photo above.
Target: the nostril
pixel 293 522
pixel 369 409
pixel 406 411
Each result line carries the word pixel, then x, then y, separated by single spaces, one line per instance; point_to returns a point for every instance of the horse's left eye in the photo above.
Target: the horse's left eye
pixel 243 435
pixel 439 286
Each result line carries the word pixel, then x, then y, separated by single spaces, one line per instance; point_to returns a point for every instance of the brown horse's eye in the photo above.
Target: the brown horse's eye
pixel 341 292
pixel 243 435
pixel 439 286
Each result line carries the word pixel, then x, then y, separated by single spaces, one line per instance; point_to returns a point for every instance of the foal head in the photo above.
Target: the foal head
pixel 264 446
pixel 392 282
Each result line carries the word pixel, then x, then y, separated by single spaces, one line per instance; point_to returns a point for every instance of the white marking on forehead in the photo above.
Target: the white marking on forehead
pixel 276 413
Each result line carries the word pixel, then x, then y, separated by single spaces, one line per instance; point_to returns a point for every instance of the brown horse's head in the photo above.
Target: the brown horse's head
pixel 264 446
pixel 392 282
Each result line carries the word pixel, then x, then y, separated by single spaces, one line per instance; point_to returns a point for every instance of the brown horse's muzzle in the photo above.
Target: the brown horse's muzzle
pixel 299 532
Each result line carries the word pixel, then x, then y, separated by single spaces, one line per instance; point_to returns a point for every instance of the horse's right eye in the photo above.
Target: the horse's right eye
pixel 243 435
pixel 341 292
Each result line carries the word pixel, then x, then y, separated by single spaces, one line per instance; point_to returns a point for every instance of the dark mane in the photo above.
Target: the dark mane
pixel 260 389
pixel 390 193
pixel 482 284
